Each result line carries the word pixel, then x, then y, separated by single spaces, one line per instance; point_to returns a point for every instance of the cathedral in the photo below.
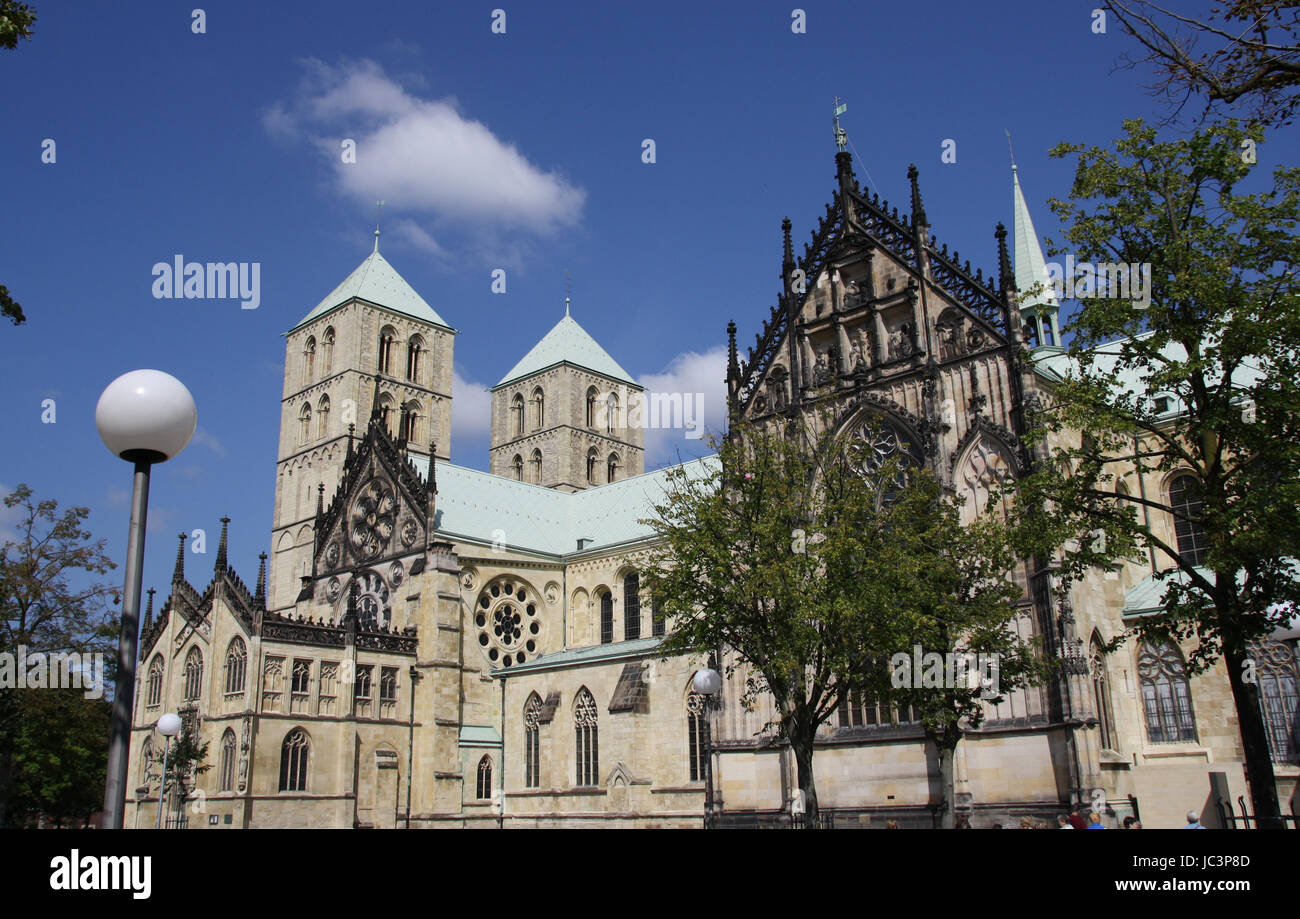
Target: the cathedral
pixel 435 646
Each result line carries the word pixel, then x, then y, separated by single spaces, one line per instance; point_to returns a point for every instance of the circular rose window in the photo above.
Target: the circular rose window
pixel 506 617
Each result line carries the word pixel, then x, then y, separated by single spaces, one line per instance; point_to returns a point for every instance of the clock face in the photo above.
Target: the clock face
pixel 371 518
pixel 373 610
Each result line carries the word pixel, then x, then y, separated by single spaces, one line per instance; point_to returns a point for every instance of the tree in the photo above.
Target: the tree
pixel 186 760
pixel 1253 56
pixel 9 307
pixel 41 609
pixel 1218 342
pixel 806 564
pixel 15 22
pixel 60 757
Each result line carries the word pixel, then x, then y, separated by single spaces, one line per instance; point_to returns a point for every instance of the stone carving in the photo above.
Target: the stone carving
pixel 901 342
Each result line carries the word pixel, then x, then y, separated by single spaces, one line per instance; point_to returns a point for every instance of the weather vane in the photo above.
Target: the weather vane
pixel 841 136
pixel 568 290
pixel 378 205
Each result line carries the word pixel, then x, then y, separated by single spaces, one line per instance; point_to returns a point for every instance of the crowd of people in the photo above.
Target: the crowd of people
pixel 1071 821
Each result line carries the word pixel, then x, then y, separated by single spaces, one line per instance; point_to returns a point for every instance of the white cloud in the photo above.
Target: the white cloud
pixel 209 440
pixel 471 415
pixel 420 155
pixel 415 236
pixel 700 379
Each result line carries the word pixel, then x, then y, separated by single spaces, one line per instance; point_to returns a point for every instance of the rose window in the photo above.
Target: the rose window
pixel 509 629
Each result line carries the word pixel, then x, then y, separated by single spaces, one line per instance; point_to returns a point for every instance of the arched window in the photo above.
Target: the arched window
pixel 236 666
pixel 1101 695
pixel 410 424
pixel 632 607
pixel 484 789
pixel 309 360
pixel 1166 694
pixel 193 675
pixel 592 398
pixel 154 697
pixel 327 349
pixel 323 417
pixel 592 460
pixel 228 749
pixel 293 760
pixel 656 617
pixel 518 465
pixel 606 618
pixel 539 409
pixel 386 339
pixel 536 464
pixel 413 349
pixel 587 746
pixel 1279 699
pixel 532 741
pixel 517 413
pixel 386 412
pixel 697 741
pixel 304 423
pixel 611 467
pixel 611 406
pixel 1186 503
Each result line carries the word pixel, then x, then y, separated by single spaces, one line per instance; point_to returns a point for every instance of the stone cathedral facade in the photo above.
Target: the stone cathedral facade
pixel 436 646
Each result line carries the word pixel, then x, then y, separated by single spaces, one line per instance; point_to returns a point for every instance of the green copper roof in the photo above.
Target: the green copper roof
pixel 377 282
pixel 479 735
pixel 1031 268
pixel 480 507
pixel 568 343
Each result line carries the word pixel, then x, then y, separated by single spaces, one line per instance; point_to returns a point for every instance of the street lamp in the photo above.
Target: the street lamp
pixel 144 417
pixel 169 726
pixel 707 682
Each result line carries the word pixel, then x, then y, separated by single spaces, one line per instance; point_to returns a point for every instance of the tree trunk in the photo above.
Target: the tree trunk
pixel 1254 741
pixel 801 741
pixel 948 802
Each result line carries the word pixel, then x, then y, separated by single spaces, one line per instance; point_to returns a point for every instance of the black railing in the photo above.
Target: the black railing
pixel 1246 820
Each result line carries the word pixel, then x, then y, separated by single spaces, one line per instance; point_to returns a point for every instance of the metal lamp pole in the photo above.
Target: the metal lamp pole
pixel 168 725
pixel 707 683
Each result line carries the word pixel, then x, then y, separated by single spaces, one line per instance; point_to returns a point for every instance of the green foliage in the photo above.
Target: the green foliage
pixel 60 757
pixel 187 758
pixel 15 22
pixel 9 307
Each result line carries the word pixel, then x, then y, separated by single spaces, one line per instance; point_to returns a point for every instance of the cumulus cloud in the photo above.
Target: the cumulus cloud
pixel 700 380
pixel 421 155
pixel 471 418
pixel 209 440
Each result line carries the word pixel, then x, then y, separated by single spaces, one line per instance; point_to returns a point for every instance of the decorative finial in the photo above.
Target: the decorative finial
pixel 733 367
pixel 841 136
pixel 221 546
pixel 1006 279
pixel 320 499
pixel 148 611
pixel 178 573
pixel 568 291
pixel 918 209
pixel 378 205
pixel 260 594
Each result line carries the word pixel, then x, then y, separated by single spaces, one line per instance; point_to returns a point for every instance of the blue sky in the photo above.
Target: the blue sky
pixel 520 151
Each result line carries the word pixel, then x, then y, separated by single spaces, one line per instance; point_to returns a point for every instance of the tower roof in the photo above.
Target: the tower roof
pixel 376 281
pixel 567 343
pixel 1031 267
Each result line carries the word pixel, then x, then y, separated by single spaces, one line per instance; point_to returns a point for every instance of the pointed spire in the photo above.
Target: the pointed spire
pixel 148 612
pixel 433 467
pixel 260 594
pixel 918 209
pixel 733 367
pixel 1006 280
pixel 221 564
pixel 320 499
pixel 178 573
pixel 352 430
pixel 1030 265
pixel 374 405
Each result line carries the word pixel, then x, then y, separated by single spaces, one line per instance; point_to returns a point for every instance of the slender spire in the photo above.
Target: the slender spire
pixel 433 467
pixel 1031 266
pixel 787 258
pixel 178 573
pixel 148 611
pixel 221 546
pixel 733 366
pixel 918 209
pixel 260 594
pixel 1006 279
pixel 320 499
pixel 378 205
pixel 841 136
pixel 374 405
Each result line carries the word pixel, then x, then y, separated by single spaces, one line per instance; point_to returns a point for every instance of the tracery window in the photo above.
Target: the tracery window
pixel 587 739
pixel 484 789
pixel 539 409
pixel 304 423
pixel 386 339
pixel 309 360
pixel 606 618
pixel 518 465
pixel 697 728
pixel 388 684
pixel 612 468
pixel 301 677
pixel 154 697
pixel 323 417
pixel 193 675
pixel 1278 701
pixel 413 349
pixel 293 761
pixel 327 357
pixel 363 683
pixel 532 741
pixel 1166 694
pixel 228 752
pixel 592 398
pixel 236 666
pixel 632 607
pixel 876 441
pixel 1101 696
pixel 517 410
pixel 1186 502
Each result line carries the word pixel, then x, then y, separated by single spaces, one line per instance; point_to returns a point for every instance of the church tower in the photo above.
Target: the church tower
pixel 1040 308
pixel 372 343
pixel 567 416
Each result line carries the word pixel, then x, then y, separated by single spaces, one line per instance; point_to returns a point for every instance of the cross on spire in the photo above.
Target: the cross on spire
pixel 841 136
pixel 378 205
pixel 568 291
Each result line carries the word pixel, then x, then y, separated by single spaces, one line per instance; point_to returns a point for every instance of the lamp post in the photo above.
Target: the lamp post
pixel 169 726
pixel 707 682
pixel 144 417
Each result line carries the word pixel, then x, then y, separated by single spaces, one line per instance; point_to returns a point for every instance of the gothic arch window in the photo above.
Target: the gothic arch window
pixel 592 460
pixel 517 414
pixel 386 412
pixel 414 348
pixel 154 697
pixel 874 441
pixel 631 606
pixel 304 423
pixel 611 405
pixel 535 472
pixel 984 467
pixel 193 675
pixel 323 417
pixel 1101 695
pixel 1186 503
pixel 410 422
pixel 532 741
pixel 228 749
pixel 236 666
pixel 1166 694
pixel 309 360
pixel 606 617
pixel 518 465
pixel 387 338
pixel 294 753
pixel 327 351
pixel 539 409
pixel 697 727
pixel 587 739
pixel 1278 698
pixel 484 787
pixel 611 467
pixel 592 398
